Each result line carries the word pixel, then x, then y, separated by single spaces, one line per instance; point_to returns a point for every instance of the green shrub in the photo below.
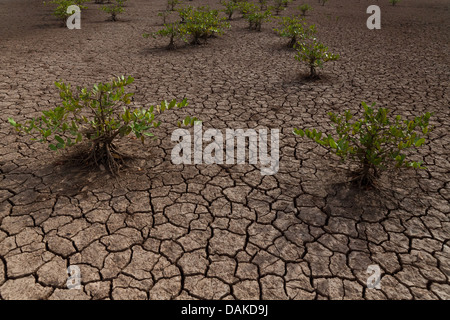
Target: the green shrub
pixel 278 6
pixel 114 9
pixel 100 115
pixel 60 10
pixel 230 8
pixel 256 19
pixel 296 29
pixel 172 31
pixel 304 8
pixel 164 15
pixel 286 2
pixel 171 4
pixel 314 54
pixel 375 141
pixel 202 23
pixel 262 5
pixel 246 8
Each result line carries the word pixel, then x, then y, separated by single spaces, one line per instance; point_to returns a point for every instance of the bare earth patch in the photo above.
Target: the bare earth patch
pixel 165 231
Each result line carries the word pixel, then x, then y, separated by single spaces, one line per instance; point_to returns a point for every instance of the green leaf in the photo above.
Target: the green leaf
pixel 419 142
pixel 12 122
pixel 333 144
pixel 59 139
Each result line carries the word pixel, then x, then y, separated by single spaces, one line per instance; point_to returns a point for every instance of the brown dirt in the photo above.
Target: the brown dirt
pixel 165 231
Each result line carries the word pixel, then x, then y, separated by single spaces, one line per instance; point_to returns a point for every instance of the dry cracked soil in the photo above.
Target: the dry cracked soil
pixel 166 231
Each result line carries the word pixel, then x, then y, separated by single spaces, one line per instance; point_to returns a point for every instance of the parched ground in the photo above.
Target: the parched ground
pixel 165 231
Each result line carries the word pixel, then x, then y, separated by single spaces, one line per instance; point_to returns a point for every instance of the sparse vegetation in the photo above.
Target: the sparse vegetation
pixel 60 10
pixel 314 54
pixel 202 23
pixel 171 4
pixel 230 8
pixel 375 141
pixel 295 29
pixel 257 18
pixel 101 116
pixel 114 9
pixel 304 8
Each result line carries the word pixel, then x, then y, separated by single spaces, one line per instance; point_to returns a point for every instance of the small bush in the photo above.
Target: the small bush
pixel 304 8
pixel 246 8
pixel 296 29
pixel 314 54
pixel 278 6
pixel 60 10
pixel 257 18
pixel 202 23
pixel 114 9
pixel 375 141
pixel 286 2
pixel 230 8
pixel 171 4
pixel 172 31
pixel 262 5
pixel 164 15
pixel 100 115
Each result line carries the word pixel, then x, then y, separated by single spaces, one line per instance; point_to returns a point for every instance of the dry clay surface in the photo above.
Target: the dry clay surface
pixel 166 231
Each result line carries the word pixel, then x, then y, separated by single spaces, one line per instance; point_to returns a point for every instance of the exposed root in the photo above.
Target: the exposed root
pixel 106 154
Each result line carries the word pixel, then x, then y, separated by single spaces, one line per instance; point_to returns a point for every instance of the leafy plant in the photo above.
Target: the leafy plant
pixel 256 19
pixel 304 8
pixel 246 8
pixel 202 23
pixel 375 141
pixel 278 6
pixel 173 31
pixel 286 2
pixel 230 8
pixel 60 10
pixel 114 9
pixel 171 4
pixel 296 29
pixel 394 2
pixel 164 15
pixel 95 115
pixel 314 54
pixel 262 5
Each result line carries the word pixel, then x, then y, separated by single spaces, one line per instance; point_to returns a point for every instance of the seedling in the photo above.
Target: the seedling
pixel 278 6
pixel 172 31
pixel 246 8
pixel 114 9
pixel 304 8
pixel 164 15
pixel 295 29
pixel 171 4
pixel 95 115
pixel 374 142
pixel 61 7
pixel 315 54
pixel 262 5
pixel 394 2
pixel 202 23
pixel 256 19
pixel 230 8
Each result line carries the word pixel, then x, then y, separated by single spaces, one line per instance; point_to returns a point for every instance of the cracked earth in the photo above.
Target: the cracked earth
pixel 165 231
